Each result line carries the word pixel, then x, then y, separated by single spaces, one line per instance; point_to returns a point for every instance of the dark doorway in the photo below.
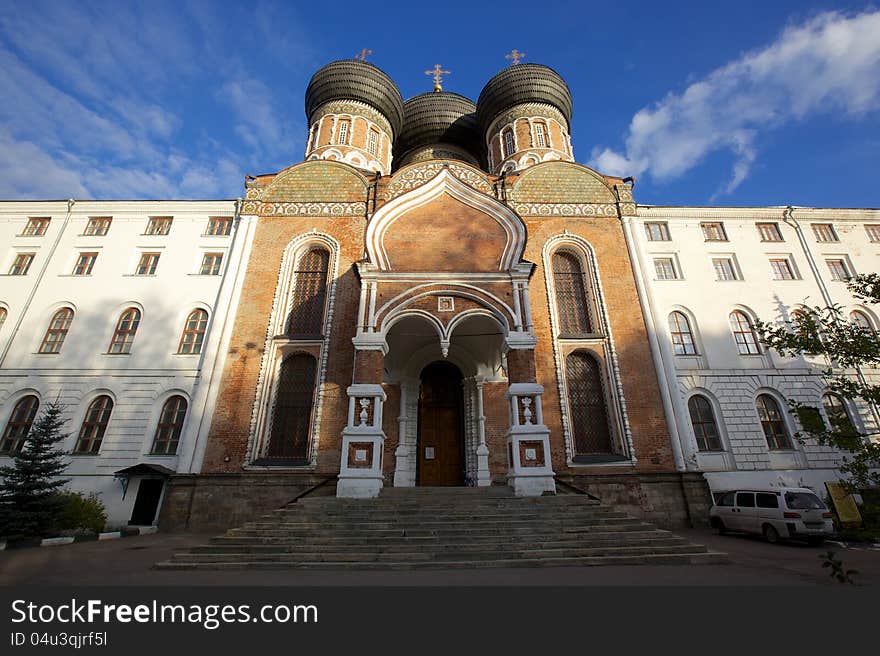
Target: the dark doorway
pixel 147 501
pixel 441 434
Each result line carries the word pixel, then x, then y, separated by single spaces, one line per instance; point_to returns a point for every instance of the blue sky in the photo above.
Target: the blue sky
pixel 722 103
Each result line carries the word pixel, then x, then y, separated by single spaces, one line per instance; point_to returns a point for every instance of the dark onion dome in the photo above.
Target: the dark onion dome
pixel 439 117
pixel 523 83
pixel 352 79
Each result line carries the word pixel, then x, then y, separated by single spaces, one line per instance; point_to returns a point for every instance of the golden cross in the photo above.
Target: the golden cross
pixel 362 55
pixel 438 74
pixel 515 56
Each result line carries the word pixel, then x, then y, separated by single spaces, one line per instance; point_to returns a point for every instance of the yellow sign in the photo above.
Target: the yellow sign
pixel 844 504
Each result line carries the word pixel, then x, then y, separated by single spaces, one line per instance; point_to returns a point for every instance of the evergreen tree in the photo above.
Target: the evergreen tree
pixel 29 500
pixel 847 348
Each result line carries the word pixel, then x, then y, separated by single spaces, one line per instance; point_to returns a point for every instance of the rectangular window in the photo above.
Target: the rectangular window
pixel 665 268
pixel 838 268
pixel 540 136
pixel 724 268
pixel 84 264
pixel 159 225
pixel 36 227
pixel 781 269
pixel 374 142
pixel 211 264
pixel 769 232
pixel 21 264
pixel 98 226
pixel 657 231
pixel 343 132
pixel 713 231
pixel 824 232
pixel 873 232
pixel 147 264
pixel 219 225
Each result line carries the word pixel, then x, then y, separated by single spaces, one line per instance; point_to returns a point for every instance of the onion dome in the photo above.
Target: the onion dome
pixel 439 117
pixel 352 79
pixel 523 83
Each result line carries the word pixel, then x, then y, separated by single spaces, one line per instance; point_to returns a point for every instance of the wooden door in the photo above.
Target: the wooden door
pixel 441 442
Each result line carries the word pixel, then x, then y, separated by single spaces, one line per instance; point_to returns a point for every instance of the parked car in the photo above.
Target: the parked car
pixel 785 512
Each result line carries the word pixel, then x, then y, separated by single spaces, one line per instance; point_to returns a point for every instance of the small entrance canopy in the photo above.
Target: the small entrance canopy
pixel 142 469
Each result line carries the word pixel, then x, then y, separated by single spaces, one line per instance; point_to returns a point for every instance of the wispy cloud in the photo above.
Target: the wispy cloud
pixel 830 63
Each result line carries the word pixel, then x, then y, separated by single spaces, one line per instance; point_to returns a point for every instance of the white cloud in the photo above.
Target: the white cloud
pixel 830 64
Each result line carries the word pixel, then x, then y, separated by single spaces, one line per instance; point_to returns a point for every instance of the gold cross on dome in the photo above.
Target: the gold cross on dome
pixel 362 55
pixel 516 55
pixel 438 74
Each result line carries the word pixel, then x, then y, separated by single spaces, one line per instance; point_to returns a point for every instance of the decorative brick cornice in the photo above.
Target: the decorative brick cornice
pixel 304 209
pixel 566 209
pixel 419 174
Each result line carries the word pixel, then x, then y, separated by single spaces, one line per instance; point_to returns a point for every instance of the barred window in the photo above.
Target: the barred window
pixel 772 422
pixel 98 226
pixel 126 328
pixel 94 425
pixel 19 424
pixel 572 298
pixel 540 135
pixel 703 421
pixel 36 227
pixel 586 397
pixel 374 141
pixel 57 331
pixel 306 318
pixel 509 147
pixel 342 134
pixel 168 431
pixel 744 333
pixel 682 337
pixel 292 413
pixel 193 332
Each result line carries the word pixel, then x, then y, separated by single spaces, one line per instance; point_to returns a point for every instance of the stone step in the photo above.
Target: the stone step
pixel 511 532
pixel 435 522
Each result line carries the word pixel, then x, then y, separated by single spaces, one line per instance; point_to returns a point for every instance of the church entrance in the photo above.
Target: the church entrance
pixel 441 459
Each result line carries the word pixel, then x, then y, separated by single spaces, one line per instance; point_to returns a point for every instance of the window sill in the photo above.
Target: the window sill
pixel 611 458
pixel 74 275
pixel 160 455
pixel 580 336
pixel 138 275
pixel 178 353
pixel 205 275
pixel 73 454
pixel 108 353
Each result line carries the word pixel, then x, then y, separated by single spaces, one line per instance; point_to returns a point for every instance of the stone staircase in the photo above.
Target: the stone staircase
pixel 442 528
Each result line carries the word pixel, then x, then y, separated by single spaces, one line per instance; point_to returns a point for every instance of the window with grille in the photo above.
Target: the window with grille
pixel 861 320
pixel 292 412
pixel 193 332
pixel 781 268
pixel 219 226
pixel 772 422
pixel 824 232
pixel 838 415
pixel 586 396
pixel 21 264
pixel 572 299
pixel 540 135
pixel 744 333
pixel 682 337
pixel 713 231
pixel 373 143
pixel 873 233
pixel 342 134
pixel 170 426
pixel 57 331
pixel 211 264
pixel 724 268
pixel 98 226
pixel 657 231
pixel 94 425
pixel 509 147
pixel 306 318
pixel 126 329
pixel 838 269
pixel 19 424
pixel 769 232
pixel 703 421
pixel 664 267
pixel 159 225
pixel 36 227
pixel 147 264
pixel 84 264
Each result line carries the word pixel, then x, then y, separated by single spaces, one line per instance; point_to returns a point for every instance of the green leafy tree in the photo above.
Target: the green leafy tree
pixel 847 348
pixel 30 505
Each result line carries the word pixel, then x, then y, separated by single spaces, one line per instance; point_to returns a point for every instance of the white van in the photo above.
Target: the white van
pixel 785 512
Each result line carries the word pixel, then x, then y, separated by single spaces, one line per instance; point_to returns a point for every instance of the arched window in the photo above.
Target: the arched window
pixel 572 300
pixel 838 415
pixel 19 424
pixel 193 332
pixel 57 331
pixel 861 320
pixel 772 422
pixel 94 425
pixel 126 328
pixel 168 431
pixel 703 421
pixel 509 147
pixel 586 396
pixel 292 414
pixel 744 333
pixel 682 337
pixel 306 318
pixel 2 316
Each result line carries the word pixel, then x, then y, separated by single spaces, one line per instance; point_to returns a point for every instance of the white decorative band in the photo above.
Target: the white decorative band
pixel 565 209
pixel 304 209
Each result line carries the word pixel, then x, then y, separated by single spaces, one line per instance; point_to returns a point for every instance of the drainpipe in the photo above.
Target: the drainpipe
pixel 70 203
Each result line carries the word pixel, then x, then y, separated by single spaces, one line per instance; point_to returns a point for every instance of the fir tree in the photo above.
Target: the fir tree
pixel 29 500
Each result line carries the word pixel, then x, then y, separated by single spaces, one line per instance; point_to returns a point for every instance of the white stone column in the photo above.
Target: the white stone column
pixel 405 456
pixel 530 472
pixel 484 478
pixel 363 441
